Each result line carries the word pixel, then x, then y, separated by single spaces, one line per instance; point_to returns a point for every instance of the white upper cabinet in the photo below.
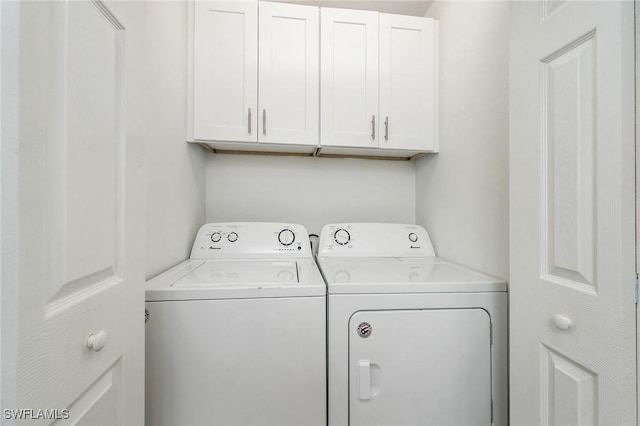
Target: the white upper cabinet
pixel 349 94
pixel 288 74
pixel 282 77
pixel 225 74
pixel 379 82
pixel 408 83
pixel 256 73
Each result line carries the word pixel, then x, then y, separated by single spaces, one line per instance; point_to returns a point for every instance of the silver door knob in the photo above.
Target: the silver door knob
pixel 97 341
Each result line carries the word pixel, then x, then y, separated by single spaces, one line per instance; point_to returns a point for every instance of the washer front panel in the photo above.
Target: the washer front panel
pixel 236 362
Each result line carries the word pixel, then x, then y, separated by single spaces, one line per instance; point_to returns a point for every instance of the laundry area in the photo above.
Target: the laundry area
pixel 330 212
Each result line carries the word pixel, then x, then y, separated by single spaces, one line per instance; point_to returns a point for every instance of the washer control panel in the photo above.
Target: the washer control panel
pixel 245 240
pixel 374 240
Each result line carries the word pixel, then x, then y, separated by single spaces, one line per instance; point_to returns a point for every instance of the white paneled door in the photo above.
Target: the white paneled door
pixel 80 274
pixel 572 312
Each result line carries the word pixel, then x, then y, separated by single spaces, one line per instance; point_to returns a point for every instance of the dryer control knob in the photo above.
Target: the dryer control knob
pixel 232 237
pixel 342 236
pixel 413 237
pixel 286 237
pixel 216 237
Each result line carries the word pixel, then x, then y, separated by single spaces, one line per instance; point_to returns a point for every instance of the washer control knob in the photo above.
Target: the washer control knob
pixel 216 237
pixel 286 237
pixel 232 237
pixel 342 236
pixel 413 237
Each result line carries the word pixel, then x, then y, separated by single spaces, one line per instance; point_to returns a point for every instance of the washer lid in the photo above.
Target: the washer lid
pixel 403 275
pixel 247 273
pixel 237 279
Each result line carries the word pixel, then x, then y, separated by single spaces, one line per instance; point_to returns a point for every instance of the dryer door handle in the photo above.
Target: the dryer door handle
pixel 364 369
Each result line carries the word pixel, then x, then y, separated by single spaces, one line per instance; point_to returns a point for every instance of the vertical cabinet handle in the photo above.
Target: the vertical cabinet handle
pixel 364 368
pixel 373 127
pixel 249 121
pixel 386 128
pixel 264 121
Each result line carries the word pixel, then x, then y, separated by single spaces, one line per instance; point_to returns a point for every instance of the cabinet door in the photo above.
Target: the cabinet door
pixel 349 78
pixel 408 83
pixel 225 71
pixel 289 67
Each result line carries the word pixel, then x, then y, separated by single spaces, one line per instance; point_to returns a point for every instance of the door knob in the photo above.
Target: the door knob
pixel 563 323
pixel 96 341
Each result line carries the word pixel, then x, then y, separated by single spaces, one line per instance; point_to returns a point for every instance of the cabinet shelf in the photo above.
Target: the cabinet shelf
pixel 318 153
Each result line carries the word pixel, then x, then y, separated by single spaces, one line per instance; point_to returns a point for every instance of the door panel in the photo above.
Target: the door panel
pixel 81 267
pixel 226 71
pixel 408 82
pixel 85 152
pixel 96 405
pixel 420 367
pixel 289 73
pixel 572 312
pixel 571 390
pixel 568 171
pixel 349 78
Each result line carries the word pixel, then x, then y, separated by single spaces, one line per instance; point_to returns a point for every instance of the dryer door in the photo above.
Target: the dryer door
pixel 420 367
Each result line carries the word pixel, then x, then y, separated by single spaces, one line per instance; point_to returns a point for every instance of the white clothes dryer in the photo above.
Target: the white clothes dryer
pixel 412 339
pixel 236 335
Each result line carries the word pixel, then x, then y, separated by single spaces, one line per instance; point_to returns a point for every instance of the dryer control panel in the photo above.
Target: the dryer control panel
pixel 245 240
pixel 374 240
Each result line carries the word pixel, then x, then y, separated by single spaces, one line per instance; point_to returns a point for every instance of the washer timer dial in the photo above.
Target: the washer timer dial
pixel 286 237
pixel 232 237
pixel 342 236
pixel 216 237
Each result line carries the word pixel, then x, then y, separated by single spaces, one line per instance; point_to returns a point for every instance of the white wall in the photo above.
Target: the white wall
pixel 459 195
pixel 309 191
pixel 175 169
pixel 462 193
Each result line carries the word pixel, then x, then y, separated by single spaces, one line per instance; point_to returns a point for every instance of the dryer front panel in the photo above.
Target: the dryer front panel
pixel 420 367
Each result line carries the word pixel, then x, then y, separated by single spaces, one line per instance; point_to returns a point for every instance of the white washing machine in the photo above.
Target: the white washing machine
pixel 412 339
pixel 236 335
